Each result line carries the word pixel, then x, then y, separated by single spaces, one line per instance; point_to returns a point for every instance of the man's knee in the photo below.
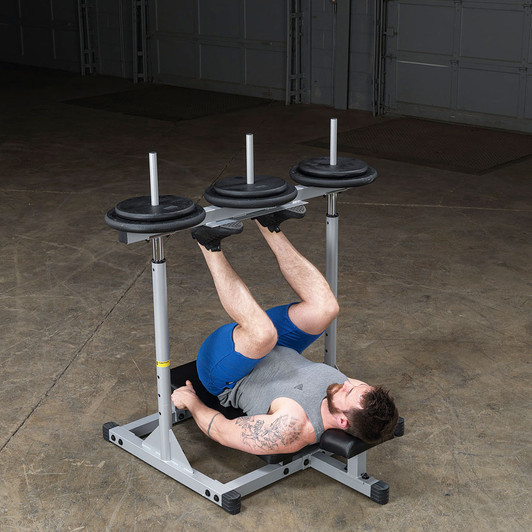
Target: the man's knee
pixel 328 310
pixel 255 339
pixel 266 336
pixel 332 308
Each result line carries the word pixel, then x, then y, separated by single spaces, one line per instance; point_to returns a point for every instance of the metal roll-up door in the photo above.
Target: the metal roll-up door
pixel 467 61
pixel 233 46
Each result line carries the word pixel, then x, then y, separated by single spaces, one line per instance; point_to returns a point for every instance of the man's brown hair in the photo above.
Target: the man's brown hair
pixel 377 419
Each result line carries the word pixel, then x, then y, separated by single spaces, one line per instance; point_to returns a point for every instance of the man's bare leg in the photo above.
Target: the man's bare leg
pixel 318 305
pixel 255 335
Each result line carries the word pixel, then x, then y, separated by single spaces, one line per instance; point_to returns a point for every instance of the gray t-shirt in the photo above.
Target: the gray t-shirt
pixel 284 373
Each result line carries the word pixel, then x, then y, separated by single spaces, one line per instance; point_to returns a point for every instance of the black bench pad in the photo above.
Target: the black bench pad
pixel 339 442
pixel 188 372
pixel 335 441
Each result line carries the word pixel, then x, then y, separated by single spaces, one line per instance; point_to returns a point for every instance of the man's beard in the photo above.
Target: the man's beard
pixel 331 392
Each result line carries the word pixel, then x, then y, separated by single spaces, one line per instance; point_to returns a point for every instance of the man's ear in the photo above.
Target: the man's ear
pixel 342 421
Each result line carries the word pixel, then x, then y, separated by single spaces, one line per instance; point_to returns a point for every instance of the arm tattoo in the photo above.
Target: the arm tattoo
pixel 210 424
pixel 269 436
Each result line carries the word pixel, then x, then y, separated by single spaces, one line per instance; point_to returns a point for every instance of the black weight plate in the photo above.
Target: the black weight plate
pixel 141 209
pixel 246 203
pixel 321 167
pixel 237 187
pixel 339 182
pixel 159 226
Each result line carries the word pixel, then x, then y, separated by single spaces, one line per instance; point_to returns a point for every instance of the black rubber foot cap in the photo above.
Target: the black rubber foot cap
pixel 231 502
pixel 106 428
pixel 380 492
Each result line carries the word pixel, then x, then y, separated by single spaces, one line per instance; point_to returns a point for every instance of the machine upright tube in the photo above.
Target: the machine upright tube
pixel 162 345
pixel 331 273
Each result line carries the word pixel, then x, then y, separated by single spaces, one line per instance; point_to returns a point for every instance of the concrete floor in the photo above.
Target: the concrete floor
pixel 435 296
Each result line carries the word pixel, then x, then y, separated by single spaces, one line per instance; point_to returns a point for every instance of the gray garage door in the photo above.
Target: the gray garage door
pixel 468 61
pixel 43 33
pixel 225 45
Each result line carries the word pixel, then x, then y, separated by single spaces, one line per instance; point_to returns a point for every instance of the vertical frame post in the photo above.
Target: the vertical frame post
pixel 331 272
pixel 160 316
pixel 162 346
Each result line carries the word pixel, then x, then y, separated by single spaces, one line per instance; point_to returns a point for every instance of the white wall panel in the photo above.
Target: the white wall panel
pixel 485 91
pixel 432 84
pixel 169 19
pixel 176 55
pixel 220 63
pixel 493 34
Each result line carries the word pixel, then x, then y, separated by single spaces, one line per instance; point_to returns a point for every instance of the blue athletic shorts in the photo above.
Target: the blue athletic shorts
pixel 220 366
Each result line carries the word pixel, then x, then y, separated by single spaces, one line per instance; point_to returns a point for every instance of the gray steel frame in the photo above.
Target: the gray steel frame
pixel 130 438
pixel 342 33
pixel 379 52
pixel 295 74
pixel 151 438
pixel 85 38
pixel 140 42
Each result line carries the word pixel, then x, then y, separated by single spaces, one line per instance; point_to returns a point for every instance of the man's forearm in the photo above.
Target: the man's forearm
pixel 204 416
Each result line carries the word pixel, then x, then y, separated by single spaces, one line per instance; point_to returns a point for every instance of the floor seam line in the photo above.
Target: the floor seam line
pixel 434 206
pixel 72 360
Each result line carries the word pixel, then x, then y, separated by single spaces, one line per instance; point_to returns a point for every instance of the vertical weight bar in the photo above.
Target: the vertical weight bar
pixel 333 142
pixel 250 166
pixel 154 178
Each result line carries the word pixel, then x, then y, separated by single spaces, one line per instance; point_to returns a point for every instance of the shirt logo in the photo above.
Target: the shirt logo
pixel 298 387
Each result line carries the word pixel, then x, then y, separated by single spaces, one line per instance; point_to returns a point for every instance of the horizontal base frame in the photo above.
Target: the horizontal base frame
pixel 228 495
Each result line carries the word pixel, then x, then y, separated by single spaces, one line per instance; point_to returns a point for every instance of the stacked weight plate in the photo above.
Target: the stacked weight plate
pixel 235 191
pixel 138 215
pixel 347 172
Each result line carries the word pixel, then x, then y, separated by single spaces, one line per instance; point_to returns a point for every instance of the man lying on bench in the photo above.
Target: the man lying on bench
pixel 256 364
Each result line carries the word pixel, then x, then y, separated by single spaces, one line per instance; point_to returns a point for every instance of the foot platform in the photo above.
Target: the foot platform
pixel 273 220
pixel 211 237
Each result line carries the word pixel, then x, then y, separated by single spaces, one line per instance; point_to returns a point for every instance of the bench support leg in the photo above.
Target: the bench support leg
pixel 353 474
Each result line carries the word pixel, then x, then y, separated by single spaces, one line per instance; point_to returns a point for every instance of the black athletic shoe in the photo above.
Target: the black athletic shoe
pixel 210 237
pixel 273 220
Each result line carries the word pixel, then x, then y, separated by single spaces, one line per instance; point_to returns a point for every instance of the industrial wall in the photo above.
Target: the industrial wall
pixel 42 33
pixel 459 60
pixel 111 31
pixel 467 61
pixel 325 41
pixel 226 45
